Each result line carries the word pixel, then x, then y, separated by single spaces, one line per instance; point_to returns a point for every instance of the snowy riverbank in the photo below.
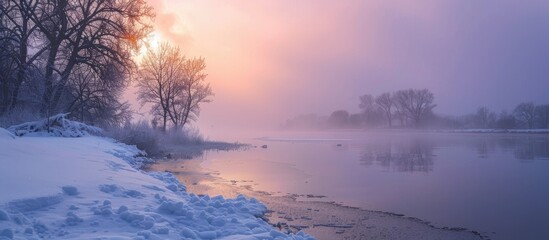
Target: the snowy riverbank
pixel 89 187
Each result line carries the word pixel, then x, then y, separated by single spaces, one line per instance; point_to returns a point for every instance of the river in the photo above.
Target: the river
pixel 496 184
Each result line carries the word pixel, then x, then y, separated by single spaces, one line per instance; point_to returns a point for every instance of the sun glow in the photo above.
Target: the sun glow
pixel 151 42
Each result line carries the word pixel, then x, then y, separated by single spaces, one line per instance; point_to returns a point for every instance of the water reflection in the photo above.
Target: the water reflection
pixel 532 149
pixel 402 156
pixel 484 147
pixel 415 154
pixel 523 147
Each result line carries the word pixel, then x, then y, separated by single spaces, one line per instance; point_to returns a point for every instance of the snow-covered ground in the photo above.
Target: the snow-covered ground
pixel 90 188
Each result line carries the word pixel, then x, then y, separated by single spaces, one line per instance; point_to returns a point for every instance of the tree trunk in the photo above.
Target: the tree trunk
pixel 188 108
pixel 50 65
pixel 22 58
pixel 165 119
pixel 55 43
pixel 5 97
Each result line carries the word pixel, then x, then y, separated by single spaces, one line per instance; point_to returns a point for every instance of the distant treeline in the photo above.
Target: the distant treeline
pixel 413 108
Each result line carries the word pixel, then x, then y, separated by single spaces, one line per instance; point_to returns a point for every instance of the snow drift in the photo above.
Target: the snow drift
pixel 89 187
pixel 56 126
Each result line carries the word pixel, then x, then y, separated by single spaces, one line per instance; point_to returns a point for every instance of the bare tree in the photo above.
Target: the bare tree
pixel 356 120
pixel 18 34
pixel 400 113
pixel 506 120
pixel 7 73
pixel 95 98
pixel 385 103
pixel 484 117
pixel 195 90
pixel 339 119
pixel 161 74
pixel 415 104
pixel 175 86
pixel 55 39
pixel 542 115
pixel 525 113
pixel 94 33
pixel 368 108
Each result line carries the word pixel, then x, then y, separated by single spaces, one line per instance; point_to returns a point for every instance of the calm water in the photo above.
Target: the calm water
pixel 495 184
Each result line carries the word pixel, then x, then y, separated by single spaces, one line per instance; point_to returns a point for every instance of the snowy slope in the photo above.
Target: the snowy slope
pixel 87 187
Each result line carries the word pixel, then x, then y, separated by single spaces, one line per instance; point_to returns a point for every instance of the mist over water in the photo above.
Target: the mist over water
pixel 494 184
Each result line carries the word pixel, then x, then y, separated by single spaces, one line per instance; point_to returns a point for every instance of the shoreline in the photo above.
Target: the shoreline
pixel 322 219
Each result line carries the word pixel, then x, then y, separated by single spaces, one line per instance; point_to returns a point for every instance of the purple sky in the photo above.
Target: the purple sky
pixel 270 60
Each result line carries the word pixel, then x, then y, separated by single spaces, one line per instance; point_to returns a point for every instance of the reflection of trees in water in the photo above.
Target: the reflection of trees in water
pixel 414 155
pixel 531 149
pixel 524 147
pixel 484 147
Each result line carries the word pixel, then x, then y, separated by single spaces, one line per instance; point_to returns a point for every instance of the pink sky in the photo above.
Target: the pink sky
pixel 270 60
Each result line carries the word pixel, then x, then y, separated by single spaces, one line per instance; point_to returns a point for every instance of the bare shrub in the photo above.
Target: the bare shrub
pixel 153 140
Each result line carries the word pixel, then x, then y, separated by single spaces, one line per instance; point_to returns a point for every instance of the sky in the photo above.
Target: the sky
pixel 268 61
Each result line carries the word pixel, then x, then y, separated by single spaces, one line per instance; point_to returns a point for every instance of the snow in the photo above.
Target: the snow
pixel 89 187
pixel 58 126
pixel 5 134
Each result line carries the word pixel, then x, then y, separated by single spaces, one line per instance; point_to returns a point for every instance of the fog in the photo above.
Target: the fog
pixel 272 60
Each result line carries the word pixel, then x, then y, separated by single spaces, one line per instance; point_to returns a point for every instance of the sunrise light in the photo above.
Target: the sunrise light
pixel 274 119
